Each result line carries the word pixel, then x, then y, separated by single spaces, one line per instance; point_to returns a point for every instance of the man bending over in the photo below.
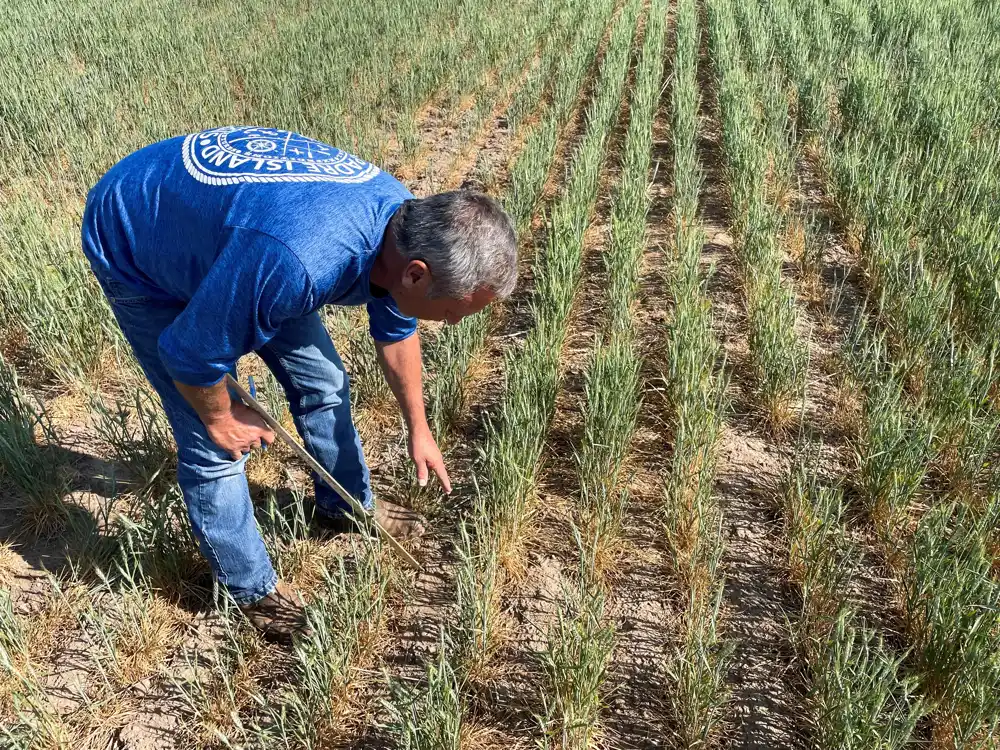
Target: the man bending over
pixel 229 241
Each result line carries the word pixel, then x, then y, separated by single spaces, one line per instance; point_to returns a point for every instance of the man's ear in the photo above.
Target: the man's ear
pixel 416 274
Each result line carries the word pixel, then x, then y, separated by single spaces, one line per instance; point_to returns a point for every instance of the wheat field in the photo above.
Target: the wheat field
pixel 725 465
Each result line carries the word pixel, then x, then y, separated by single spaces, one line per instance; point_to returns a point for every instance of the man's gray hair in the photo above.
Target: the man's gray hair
pixel 466 239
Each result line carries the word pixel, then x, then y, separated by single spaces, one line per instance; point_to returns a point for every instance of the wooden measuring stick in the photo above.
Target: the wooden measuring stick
pixel 299 450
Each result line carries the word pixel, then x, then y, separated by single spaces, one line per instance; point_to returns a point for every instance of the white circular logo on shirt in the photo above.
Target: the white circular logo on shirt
pixel 231 155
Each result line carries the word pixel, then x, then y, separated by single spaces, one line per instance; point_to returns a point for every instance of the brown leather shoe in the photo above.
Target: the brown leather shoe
pixel 280 615
pixel 401 522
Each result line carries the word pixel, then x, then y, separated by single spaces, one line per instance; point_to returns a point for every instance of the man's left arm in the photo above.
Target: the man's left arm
pixel 400 362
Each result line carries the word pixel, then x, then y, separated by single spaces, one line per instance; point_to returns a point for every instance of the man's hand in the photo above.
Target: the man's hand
pixel 427 457
pixel 400 361
pixel 240 432
pixel 231 425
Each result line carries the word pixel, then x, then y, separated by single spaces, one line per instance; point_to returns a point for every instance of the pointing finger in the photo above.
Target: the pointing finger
pixel 442 474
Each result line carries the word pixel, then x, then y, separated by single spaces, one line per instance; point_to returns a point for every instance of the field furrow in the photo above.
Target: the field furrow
pixel 759 607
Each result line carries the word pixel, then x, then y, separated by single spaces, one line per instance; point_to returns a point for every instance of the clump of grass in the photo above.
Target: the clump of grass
pixel 478 633
pixel 347 618
pixel 26 434
pixel 298 557
pixel 611 392
pixel 861 692
pixel 801 238
pixel 370 390
pixel 575 663
pixel 132 630
pixel 697 673
pixel 28 719
pixel 893 449
pixel 218 687
pixel 139 438
pixel 432 716
pixel 154 536
pixel 451 358
pixel 820 558
pixel 952 607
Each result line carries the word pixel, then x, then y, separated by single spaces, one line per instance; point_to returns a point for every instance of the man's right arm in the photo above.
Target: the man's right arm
pixel 254 285
pixel 232 426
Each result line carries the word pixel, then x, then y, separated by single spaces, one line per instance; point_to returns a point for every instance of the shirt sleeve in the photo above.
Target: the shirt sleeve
pixel 386 323
pixel 254 285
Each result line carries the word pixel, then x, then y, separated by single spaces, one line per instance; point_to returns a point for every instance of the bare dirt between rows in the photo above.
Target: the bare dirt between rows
pixel 645 600
pixel 767 708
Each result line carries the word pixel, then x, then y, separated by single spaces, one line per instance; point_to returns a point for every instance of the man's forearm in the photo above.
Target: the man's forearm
pixel 212 402
pixel 229 424
pixel 400 361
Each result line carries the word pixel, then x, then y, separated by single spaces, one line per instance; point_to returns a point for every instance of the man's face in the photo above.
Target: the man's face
pixel 414 302
pixel 412 297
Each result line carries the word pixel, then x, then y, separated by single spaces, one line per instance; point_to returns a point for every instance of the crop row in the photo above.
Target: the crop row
pixel 696 403
pixel 580 644
pixel 758 169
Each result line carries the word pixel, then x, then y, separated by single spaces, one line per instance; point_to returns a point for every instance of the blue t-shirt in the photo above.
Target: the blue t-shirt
pixel 247 227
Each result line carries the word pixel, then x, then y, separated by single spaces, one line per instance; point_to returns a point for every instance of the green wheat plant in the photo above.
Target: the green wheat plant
pixel 893 453
pixel 695 390
pixel 153 535
pixel 450 359
pixel 611 392
pixel 952 605
pixel 820 557
pixel 862 694
pixel 479 579
pixel 139 438
pixel 429 717
pixel 575 662
pixel 696 671
pixel 26 432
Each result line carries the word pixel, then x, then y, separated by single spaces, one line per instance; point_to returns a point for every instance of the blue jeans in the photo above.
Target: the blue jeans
pixel 306 364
